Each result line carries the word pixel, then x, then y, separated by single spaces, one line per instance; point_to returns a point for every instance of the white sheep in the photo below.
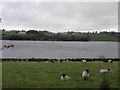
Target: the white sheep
pixel 46 61
pixel 110 61
pixel 84 61
pixel 26 60
pixel 64 77
pixel 104 70
pixel 85 74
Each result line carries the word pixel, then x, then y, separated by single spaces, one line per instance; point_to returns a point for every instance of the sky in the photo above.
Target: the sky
pixel 60 16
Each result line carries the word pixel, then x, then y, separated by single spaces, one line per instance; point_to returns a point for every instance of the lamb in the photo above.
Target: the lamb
pixel 85 74
pixel 104 70
pixel 84 61
pixel 26 60
pixel 67 60
pixel 110 61
pixel 46 61
pixel 64 77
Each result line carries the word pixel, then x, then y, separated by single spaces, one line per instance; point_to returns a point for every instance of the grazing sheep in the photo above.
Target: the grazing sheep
pixel 104 70
pixel 8 46
pixel 67 60
pixel 5 46
pixel 26 60
pixel 85 74
pixel 110 61
pixel 84 61
pixel 46 61
pixel 12 45
pixel 64 77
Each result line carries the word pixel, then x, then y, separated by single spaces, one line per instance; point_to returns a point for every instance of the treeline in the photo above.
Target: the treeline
pixel 50 36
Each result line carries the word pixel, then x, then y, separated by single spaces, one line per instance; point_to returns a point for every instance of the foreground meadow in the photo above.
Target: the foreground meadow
pixel 47 75
pixel 0 74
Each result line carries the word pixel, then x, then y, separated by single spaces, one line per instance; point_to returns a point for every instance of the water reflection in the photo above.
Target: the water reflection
pixel 48 49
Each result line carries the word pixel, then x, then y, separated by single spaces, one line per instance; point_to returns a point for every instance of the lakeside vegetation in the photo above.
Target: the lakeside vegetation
pixel 47 75
pixel 101 58
pixel 65 36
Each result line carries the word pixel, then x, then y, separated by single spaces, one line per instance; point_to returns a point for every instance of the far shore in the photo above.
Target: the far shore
pixel 61 41
pixel 66 59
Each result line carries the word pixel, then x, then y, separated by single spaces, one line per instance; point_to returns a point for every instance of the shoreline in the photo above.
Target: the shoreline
pixel 64 41
pixel 65 59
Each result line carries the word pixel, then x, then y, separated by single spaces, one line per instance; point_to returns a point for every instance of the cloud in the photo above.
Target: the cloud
pixel 60 16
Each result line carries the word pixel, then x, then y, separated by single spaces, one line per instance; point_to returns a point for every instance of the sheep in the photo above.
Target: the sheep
pixel 84 61
pixel 64 77
pixel 104 70
pixel 8 46
pixel 85 74
pixel 5 46
pixel 46 61
pixel 110 61
pixel 26 60
pixel 12 45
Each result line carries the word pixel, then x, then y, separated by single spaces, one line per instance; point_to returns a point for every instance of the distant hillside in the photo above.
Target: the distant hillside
pixel 66 36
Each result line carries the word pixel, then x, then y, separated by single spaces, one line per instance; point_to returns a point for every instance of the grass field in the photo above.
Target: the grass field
pixel 47 75
pixel 103 37
pixel 99 37
pixel 0 74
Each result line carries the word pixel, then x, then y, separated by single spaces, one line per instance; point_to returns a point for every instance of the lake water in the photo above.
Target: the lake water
pixel 49 49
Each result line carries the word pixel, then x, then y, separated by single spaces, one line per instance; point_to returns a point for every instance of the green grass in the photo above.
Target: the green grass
pixel 98 37
pixel 47 75
pixel 9 33
pixel 102 37
pixel 0 74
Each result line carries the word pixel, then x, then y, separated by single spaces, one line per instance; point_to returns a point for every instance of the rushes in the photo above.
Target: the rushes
pixel 104 85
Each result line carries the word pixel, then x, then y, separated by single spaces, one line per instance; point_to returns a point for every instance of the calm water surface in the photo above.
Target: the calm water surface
pixel 49 49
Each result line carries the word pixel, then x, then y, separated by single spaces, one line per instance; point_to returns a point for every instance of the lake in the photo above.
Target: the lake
pixel 54 49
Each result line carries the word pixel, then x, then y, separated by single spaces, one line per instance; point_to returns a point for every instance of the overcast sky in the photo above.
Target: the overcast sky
pixel 60 16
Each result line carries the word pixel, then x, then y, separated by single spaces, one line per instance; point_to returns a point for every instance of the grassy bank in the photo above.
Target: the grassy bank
pixel 0 74
pixel 47 75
